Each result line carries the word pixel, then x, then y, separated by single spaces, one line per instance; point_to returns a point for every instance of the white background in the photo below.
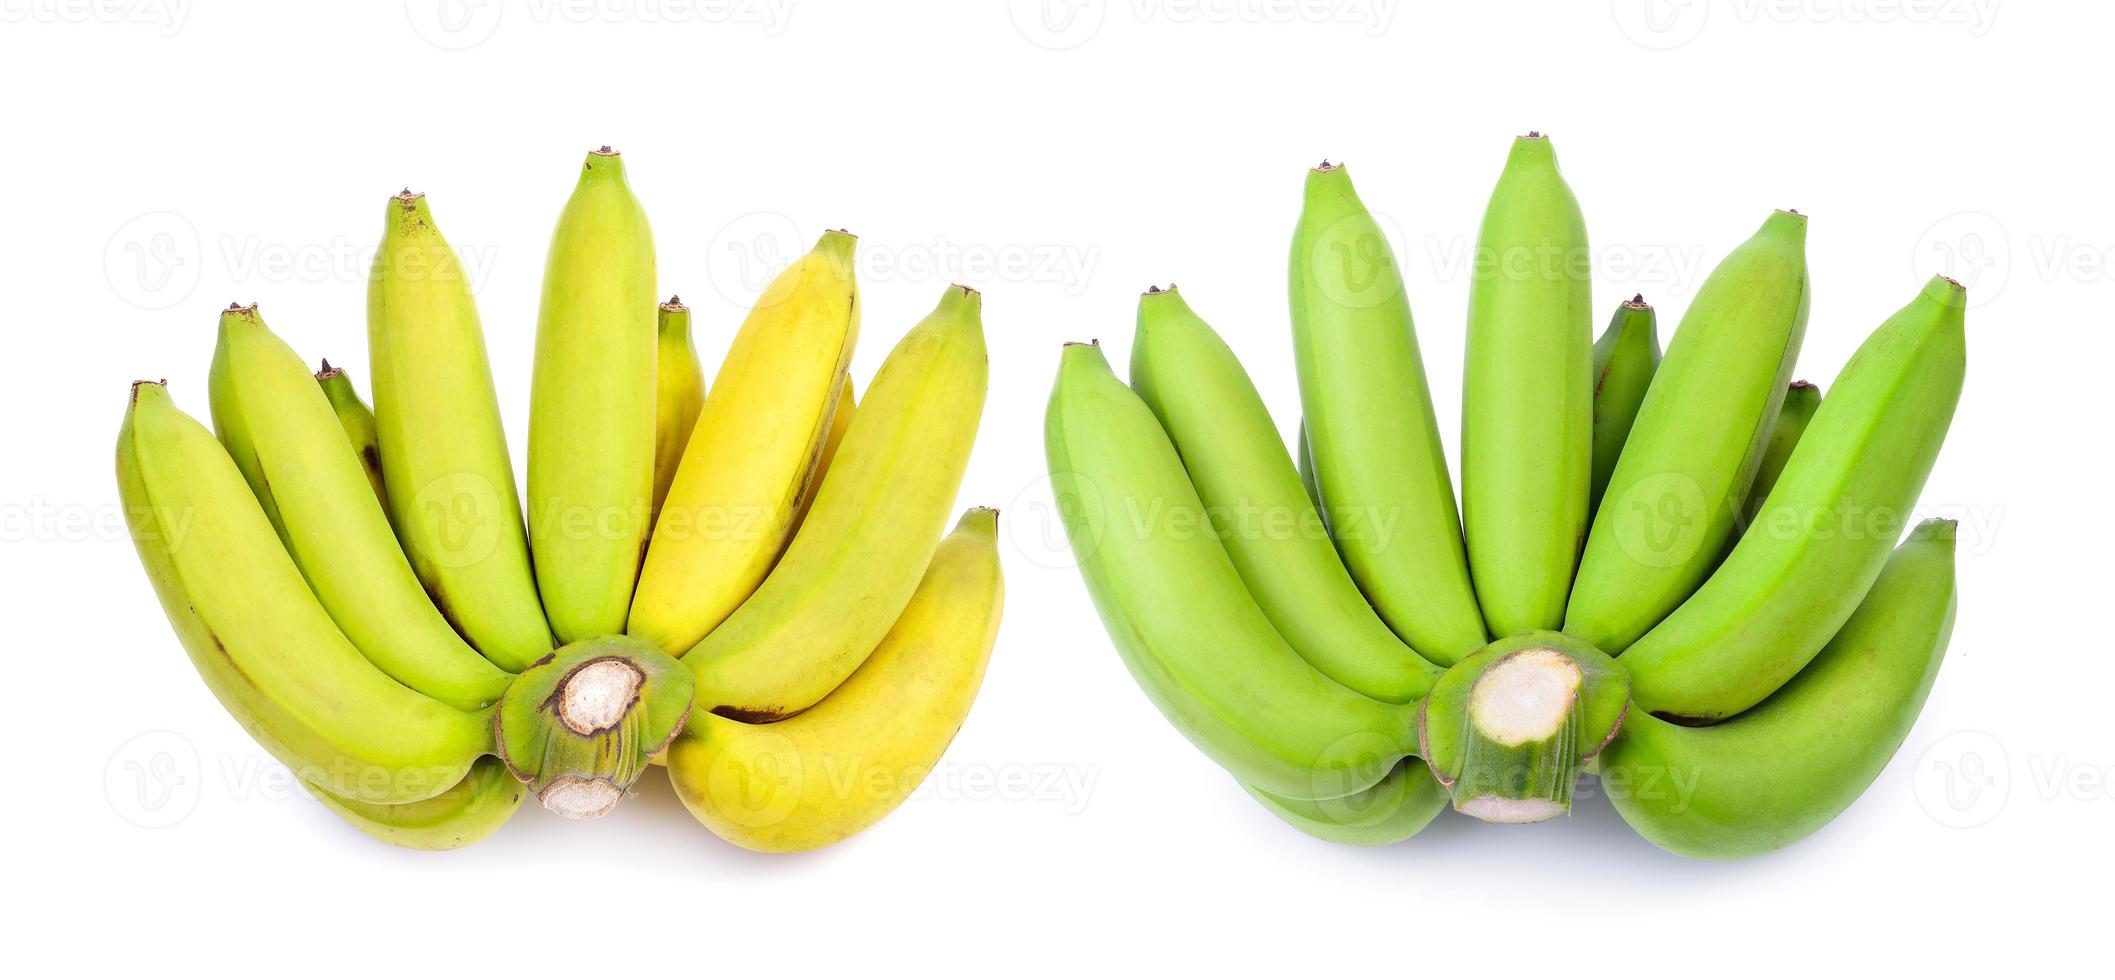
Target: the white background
pixel 164 157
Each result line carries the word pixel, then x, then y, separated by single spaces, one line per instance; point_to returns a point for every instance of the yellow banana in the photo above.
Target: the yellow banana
pixel 730 508
pixel 840 421
pixel 260 640
pixel 358 421
pixel 444 455
pixel 592 413
pixel 678 397
pixel 279 428
pixel 842 765
pixel 847 575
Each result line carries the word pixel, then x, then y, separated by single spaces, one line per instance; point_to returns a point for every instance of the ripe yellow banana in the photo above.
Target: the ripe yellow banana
pixel 1374 439
pixel 678 397
pixel 1826 529
pixel 358 421
pixel 444 455
pixel 856 561
pixel 592 411
pixel 467 813
pixel 279 428
pixel 730 508
pixel 840 422
pixel 1699 435
pixel 1527 395
pixel 837 768
pixel 257 636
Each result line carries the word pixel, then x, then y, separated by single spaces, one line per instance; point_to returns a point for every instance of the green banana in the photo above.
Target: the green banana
pixel 1389 812
pixel 280 429
pixel 358 421
pixel 1527 395
pixel 1173 602
pixel 444 455
pixel 678 397
pixel 1251 491
pixel 1304 465
pixel 1625 357
pixel 259 639
pixel 467 813
pixel 1788 766
pixel 1826 529
pixel 1801 401
pixel 592 405
pixel 857 559
pixel 1699 435
pixel 1378 460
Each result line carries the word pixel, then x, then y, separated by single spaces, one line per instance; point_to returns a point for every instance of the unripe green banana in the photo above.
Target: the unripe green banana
pixel 1625 358
pixel 1802 399
pixel 1176 608
pixel 1826 529
pixel 861 549
pixel 1389 812
pixel 358 421
pixel 1251 492
pixel 1685 469
pixel 467 813
pixel 1788 766
pixel 257 636
pixel 679 395
pixel 280 429
pixel 1527 395
pixel 444 454
pixel 592 405
pixel 1304 464
pixel 1378 460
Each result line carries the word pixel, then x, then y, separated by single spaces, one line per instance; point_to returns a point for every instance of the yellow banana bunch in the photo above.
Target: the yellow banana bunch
pixel 357 586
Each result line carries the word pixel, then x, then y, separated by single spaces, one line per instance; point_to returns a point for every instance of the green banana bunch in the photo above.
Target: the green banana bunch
pixel 281 431
pixel 1781 770
pixel 1826 529
pixel 1527 395
pixel 1699 435
pixel 1208 549
pixel 358 421
pixel 592 405
pixel 444 454
pixel 263 644
pixel 1378 462
pixel 1190 631
pixel 1252 495
pixel 1625 357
